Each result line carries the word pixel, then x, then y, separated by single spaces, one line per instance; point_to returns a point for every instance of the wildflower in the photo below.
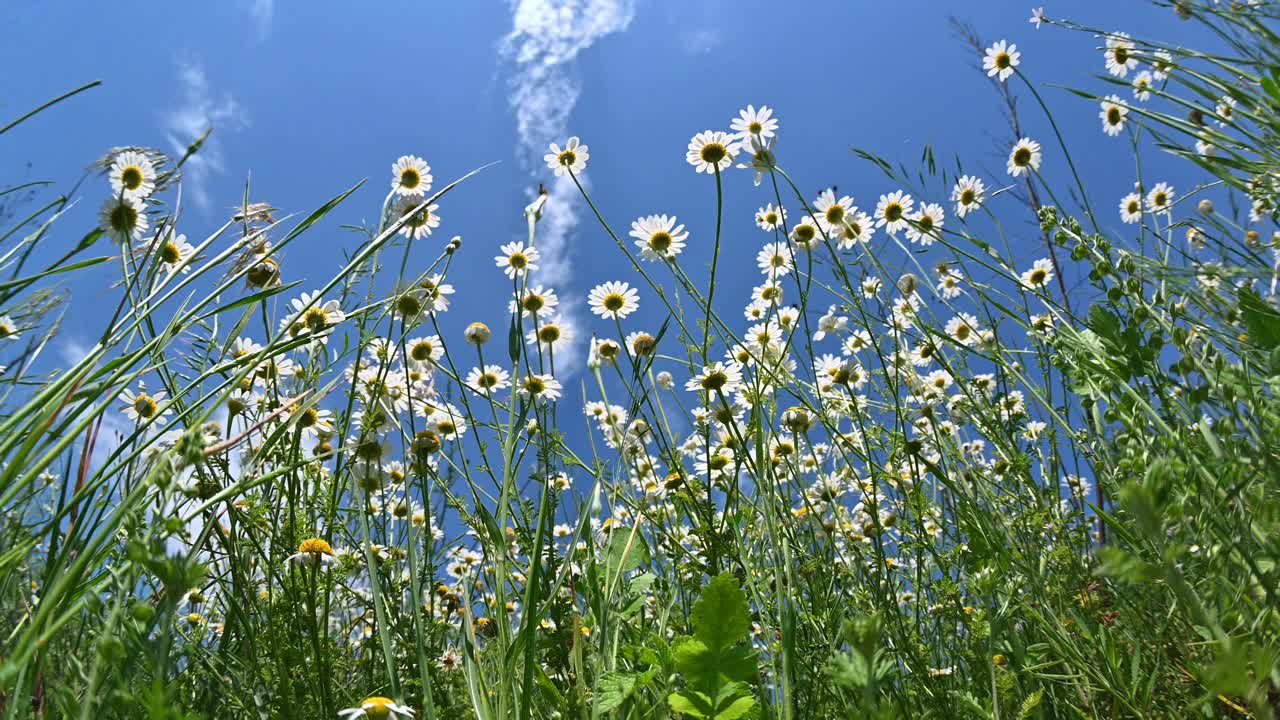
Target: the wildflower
pixel 664 381
pixel 410 176
pixel 418 222
pixel 539 387
pixel 516 259
pixel 752 123
pixel 1037 17
pixel 774 259
pixel 436 293
pixel 721 377
pixel 314 315
pixel 572 159
pixel 711 151
pixel 892 211
pixel 424 351
pixel 858 228
pixel 770 218
pixel 968 194
pixel 963 328
pixel 123 219
pixel 174 252
pixel 1000 60
pixel 477 333
pixel 1039 275
pixel 1119 54
pixel 1225 110
pixel 1160 199
pixel 449 660
pixel 132 175
pixel 613 299
pixel 805 232
pixel 1131 208
pixel 832 212
pixel 313 552
pixel 925 224
pixel 142 407
pixel 1161 64
pixel 949 283
pixel 534 302
pixel 762 158
pixel 377 708
pixel 8 328
pixel 1113 114
pixel 658 237
pixel 1025 154
pixel 555 333
pixel 1142 86
pixel 313 421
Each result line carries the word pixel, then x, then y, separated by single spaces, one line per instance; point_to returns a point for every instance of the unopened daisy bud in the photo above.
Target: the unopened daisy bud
pixel 454 244
pixel 665 381
pixel 1205 207
pixel 534 209
pixel 477 333
pixel 907 284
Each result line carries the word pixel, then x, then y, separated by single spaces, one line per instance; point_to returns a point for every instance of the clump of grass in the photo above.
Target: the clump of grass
pixel 925 477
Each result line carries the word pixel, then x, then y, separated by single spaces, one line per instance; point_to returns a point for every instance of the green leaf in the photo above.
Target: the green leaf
pixel 693 704
pixel 1262 320
pixel 720 617
pixel 626 551
pixel 736 709
pixel 1105 323
pixel 616 687
pixel 1030 704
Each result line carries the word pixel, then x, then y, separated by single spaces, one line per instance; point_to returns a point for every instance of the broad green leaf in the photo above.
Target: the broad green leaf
pixel 720 617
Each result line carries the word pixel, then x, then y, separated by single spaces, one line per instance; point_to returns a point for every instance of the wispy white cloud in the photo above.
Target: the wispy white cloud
pixel 545 40
pixel 261 13
pixel 198 109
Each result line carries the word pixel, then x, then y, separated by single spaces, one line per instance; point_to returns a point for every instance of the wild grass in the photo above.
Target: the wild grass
pixel 966 490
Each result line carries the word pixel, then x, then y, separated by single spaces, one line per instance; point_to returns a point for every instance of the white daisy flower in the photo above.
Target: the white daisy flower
pixel 774 259
pixel 1039 275
pixel 832 212
pixel 314 314
pixel 175 252
pixel 142 407
pixel 770 218
pixel 1131 208
pixel 1119 54
pixel 573 158
pixel 963 328
pixel 658 237
pixel 1000 60
pixel 488 379
pixel 539 387
pixel 1160 199
pixel 122 219
pixel 1025 154
pixel 555 333
pixel 1226 110
pixel 829 324
pixel 857 230
pixel 132 175
pixel 711 151
pixel 805 233
pixel 1161 64
pixel 926 225
pixel 754 123
pixel 721 377
pixel 417 223
pixel 516 259
pixel 424 351
pixel 1142 86
pixel 892 211
pixel 968 194
pixel 410 176
pixel 613 299
pixel 534 301
pixel 8 328
pixel 1037 17
pixel 1113 114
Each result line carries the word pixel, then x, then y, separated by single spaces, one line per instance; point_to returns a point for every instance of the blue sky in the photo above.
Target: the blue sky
pixel 308 98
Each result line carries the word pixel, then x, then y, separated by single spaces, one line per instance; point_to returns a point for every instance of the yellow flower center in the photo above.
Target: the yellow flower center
pixel 409 178
pixel 614 302
pixel 660 241
pixel 315 545
pixel 377 708
pixel 568 157
pixel 713 153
